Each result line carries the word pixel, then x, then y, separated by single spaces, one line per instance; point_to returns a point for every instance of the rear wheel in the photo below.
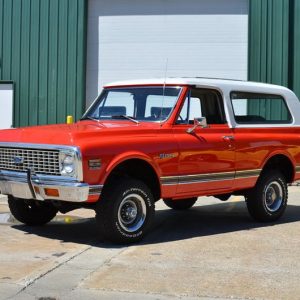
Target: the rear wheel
pixel 180 204
pixel 268 199
pixel 31 212
pixel 125 212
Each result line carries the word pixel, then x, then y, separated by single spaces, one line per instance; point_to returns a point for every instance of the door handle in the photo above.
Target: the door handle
pixel 228 138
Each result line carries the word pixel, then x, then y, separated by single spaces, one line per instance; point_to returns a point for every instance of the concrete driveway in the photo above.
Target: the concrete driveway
pixel 212 251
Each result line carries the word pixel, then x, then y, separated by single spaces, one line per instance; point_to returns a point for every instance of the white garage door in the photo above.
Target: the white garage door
pixel 130 39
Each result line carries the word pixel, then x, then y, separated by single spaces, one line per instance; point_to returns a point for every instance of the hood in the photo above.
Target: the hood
pixel 64 134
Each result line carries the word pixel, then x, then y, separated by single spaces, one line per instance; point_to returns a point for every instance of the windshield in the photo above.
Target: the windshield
pixel 135 103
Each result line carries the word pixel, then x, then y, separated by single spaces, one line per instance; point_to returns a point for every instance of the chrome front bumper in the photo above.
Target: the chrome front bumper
pixel 28 186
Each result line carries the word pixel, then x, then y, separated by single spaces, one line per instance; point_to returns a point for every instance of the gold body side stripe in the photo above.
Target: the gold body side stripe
pixel 200 178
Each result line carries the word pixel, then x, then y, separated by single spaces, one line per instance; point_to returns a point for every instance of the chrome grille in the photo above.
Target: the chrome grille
pixel 21 159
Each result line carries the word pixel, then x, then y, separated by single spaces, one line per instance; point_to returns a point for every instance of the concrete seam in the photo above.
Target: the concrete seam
pixel 105 262
pixel 41 275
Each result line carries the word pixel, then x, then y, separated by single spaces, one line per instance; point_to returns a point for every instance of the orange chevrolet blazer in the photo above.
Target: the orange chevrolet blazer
pixel 141 141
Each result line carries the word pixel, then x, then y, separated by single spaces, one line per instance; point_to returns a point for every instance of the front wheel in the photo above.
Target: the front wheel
pixel 268 199
pixel 180 204
pixel 31 212
pixel 125 211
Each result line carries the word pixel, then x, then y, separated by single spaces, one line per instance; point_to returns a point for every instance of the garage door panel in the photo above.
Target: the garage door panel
pixel 146 29
pixel 154 55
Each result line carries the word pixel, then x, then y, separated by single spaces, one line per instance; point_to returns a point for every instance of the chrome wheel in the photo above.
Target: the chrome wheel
pixel 132 212
pixel 126 211
pixel 273 196
pixel 267 201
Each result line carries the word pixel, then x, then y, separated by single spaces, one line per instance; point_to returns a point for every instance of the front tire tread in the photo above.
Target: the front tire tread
pixel 108 205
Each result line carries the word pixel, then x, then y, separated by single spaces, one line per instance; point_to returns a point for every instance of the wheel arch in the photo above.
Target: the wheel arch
pixel 135 166
pixel 282 162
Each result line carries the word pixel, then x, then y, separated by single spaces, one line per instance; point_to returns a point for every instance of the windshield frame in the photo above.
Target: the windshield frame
pixel 111 88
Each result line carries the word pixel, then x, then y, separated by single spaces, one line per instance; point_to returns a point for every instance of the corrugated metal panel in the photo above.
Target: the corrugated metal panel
pixel 269 41
pixel 269 47
pixel 274 42
pixel 296 52
pixel 42 49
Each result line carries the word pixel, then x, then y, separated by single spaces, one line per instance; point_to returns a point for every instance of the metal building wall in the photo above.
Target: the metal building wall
pixel 42 49
pixel 269 41
pixel 274 42
pixel 296 49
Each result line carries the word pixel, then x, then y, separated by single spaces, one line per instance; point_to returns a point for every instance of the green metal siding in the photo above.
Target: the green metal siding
pixel 269 41
pixel 274 42
pixel 42 49
pixel 296 52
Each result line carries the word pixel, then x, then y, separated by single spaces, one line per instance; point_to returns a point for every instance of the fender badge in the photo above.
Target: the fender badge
pixel 166 155
pixel 94 164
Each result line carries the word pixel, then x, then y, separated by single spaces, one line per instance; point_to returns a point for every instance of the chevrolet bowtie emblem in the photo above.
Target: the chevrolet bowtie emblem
pixel 17 160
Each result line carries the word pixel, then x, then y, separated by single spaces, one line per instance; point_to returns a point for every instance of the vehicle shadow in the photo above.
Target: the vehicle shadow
pixel 210 220
pixel 169 225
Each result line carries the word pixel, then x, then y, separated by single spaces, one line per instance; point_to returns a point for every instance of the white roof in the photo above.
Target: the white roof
pixel 213 82
pixel 226 86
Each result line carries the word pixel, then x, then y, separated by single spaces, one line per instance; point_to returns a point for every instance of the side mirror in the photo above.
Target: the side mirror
pixel 198 122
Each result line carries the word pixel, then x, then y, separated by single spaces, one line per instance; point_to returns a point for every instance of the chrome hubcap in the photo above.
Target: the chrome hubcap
pixel 273 196
pixel 132 213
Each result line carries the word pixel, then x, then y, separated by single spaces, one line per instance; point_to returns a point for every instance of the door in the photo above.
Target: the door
pixel 151 39
pixel 206 159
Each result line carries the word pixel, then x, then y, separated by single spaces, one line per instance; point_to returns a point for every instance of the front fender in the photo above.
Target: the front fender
pixel 120 158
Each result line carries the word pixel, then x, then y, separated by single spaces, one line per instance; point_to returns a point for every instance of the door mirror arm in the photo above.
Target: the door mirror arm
pixel 198 122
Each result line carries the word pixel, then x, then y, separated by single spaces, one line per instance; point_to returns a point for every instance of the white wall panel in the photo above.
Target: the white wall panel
pixel 6 105
pixel 130 39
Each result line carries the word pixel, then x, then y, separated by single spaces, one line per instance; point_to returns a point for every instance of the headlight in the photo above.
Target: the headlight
pixel 67 164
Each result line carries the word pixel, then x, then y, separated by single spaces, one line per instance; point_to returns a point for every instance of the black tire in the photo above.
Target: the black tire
pixel 180 204
pixel 267 201
pixel 31 212
pixel 125 211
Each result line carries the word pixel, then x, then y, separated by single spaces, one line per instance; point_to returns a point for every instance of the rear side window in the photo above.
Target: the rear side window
pixel 252 108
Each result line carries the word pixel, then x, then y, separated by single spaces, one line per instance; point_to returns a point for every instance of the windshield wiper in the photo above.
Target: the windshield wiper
pixel 89 118
pixel 125 117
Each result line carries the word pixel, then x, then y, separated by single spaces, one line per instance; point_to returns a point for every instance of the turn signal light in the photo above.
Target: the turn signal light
pixel 51 192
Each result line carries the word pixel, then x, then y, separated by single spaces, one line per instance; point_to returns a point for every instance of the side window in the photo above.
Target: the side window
pixel 252 108
pixel 202 103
